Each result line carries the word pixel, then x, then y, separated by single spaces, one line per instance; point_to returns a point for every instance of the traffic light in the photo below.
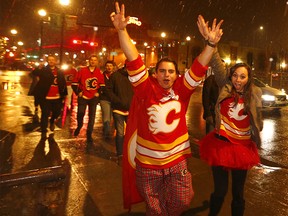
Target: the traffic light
pixel 75 41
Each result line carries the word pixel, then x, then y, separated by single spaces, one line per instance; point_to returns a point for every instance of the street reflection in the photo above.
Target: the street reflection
pixel 267 169
pixel 268 133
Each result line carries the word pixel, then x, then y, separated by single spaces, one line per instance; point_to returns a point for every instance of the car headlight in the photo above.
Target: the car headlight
pixel 268 97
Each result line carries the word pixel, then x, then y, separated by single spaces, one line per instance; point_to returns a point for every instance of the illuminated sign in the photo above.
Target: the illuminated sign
pixel 134 20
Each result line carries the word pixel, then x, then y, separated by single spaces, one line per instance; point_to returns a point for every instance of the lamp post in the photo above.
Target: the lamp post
pixel 42 13
pixel 145 52
pixel 63 3
pixel 188 38
pixel 163 35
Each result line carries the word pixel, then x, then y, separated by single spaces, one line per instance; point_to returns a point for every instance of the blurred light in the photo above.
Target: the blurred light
pixel 268 97
pixel 77 41
pixel 82 51
pixel 163 34
pixel 42 12
pixel 64 2
pixel 64 66
pixel 227 61
pixel 66 53
pixel 74 56
pixel 188 38
pixel 134 20
pixel 11 54
pixel 20 43
pixel 14 31
pixel 104 49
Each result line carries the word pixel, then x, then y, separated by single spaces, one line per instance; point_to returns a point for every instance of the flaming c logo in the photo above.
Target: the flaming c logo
pixel 158 117
pixel 91 83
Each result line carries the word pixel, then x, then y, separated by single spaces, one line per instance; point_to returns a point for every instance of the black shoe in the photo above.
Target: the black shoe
pixel 52 126
pixel 43 136
pixel 119 162
pixel 89 139
pixel 77 131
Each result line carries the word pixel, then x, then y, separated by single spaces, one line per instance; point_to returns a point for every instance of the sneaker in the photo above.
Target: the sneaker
pixel 77 131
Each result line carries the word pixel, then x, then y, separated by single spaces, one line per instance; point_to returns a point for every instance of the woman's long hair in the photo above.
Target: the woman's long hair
pixel 247 92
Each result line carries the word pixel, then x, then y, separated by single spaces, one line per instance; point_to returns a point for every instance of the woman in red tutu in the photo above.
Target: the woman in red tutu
pixel 232 146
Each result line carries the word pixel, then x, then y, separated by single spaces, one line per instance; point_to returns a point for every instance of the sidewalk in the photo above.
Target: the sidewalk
pixel 93 183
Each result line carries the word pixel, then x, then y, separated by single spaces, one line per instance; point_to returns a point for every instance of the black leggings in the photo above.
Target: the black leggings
pixel 221 180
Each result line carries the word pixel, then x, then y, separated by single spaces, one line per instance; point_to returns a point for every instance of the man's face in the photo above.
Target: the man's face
pixel 109 67
pixel 93 62
pixel 51 61
pixel 166 75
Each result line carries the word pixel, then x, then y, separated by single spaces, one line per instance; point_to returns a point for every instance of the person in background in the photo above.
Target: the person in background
pixel 210 93
pixel 232 146
pixel 86 86
pixel 50 91
pixel 105 101
pixel 120 92
pixel 69 73
pixel 162 175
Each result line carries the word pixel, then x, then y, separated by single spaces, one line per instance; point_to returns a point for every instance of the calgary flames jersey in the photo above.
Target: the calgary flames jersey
pixel 88 82
pixel 162 135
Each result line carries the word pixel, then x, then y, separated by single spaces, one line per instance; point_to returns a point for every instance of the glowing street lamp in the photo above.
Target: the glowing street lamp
pixel 13 31
pixel 63 3
pixel 188 38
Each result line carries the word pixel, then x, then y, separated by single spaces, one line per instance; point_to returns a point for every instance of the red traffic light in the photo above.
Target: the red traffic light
pixel 77 41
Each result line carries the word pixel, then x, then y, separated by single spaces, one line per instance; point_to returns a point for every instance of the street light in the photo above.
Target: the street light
pixel 63 3
pixel 188 38
pixel 261 28
pixel 14 31
pixel 42 13
pixel 145 47
pixel 163 46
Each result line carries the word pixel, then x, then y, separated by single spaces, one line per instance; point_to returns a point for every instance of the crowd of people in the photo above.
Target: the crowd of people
pixel 231 109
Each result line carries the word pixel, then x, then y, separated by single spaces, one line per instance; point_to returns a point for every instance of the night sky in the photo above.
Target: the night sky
pixel 242 18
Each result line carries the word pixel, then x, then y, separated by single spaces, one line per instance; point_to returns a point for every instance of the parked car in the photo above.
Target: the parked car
pixel 271 97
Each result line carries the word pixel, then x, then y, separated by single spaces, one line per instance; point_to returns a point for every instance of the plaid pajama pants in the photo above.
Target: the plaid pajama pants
pixel 165 191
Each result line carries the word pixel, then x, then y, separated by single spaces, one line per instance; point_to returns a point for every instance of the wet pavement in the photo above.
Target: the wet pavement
pixel 60 176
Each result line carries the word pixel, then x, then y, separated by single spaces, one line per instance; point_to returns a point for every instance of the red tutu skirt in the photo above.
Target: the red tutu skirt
pixel 218 152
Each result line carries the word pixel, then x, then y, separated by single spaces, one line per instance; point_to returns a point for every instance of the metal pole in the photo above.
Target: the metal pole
pixel 187 54
pixel 41 39
pixel 34 176
pixel 62 37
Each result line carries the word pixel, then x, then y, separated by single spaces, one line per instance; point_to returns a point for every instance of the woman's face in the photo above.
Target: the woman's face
pixel 240 78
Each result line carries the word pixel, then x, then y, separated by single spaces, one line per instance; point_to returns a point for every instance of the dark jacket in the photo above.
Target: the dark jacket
pixel 221 77
pixel 120 90
pixel 103 89
pixel 46 79
pixel 210 93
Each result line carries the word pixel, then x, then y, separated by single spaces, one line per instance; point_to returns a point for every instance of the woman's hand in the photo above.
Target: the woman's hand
pixel 118 17
pixel 212 34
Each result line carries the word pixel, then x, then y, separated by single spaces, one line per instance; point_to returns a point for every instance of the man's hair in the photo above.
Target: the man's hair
pixel 109 62
pixel 166 59
pixel 93 56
